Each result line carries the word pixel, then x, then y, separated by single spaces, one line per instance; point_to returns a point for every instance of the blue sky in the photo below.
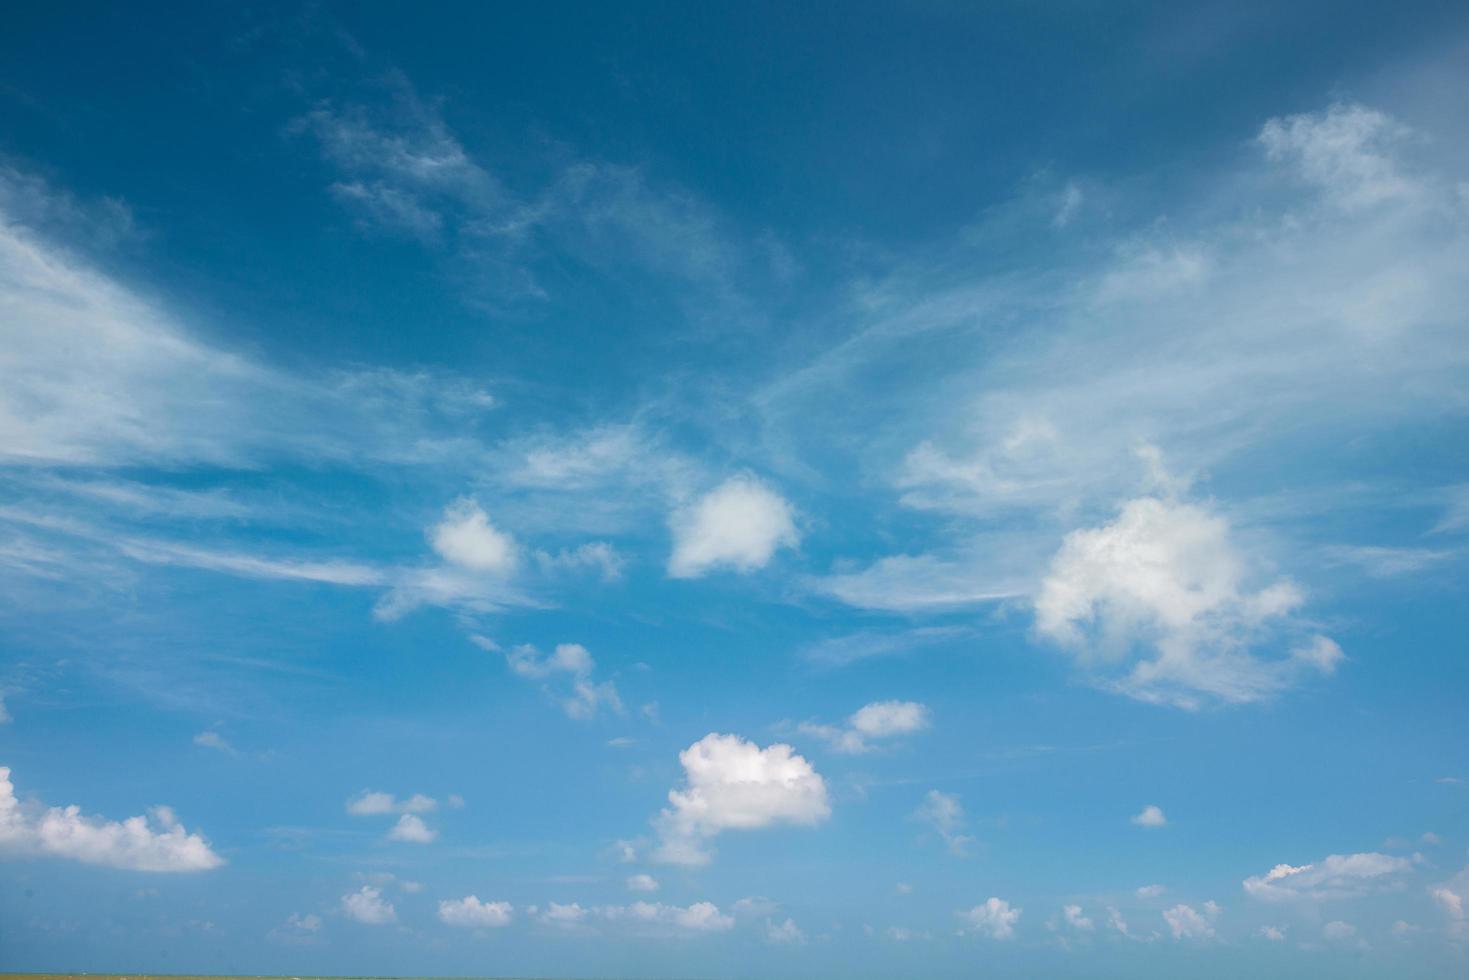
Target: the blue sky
pixel 773 491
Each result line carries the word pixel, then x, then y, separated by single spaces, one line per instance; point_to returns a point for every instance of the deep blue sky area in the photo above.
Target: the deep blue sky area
pixel 780 490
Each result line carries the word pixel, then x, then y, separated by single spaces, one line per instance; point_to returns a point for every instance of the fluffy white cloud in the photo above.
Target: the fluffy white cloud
pixel 740 524
pixel 412 830
pixel 582 696
pixel 945 814
pixel 157 842
pixel 875 721
pixel 466 538
pixel 1273 933
pixel 557 914
pixel 1336 876
pixel 994 919
pixel 367 906
pixel 1150 816
pixel 1150 891
pixel 784 933
pixel 1346 151
pixel 469 912
pixel 642 883
pixel 1451 902
pixel 373 803
pixel 1072 915
pixel 734 784
pixel 1187 922
pixel 1162 587
pixel 658 918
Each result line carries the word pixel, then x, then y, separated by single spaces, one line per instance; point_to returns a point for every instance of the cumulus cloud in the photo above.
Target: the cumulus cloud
pixel 571 667
pixel 156 842
pixel 738 525
pixel 1275 934
pixel 995 919
pixel 1150 891
pixel 1073 917
pixel 1150 816
pixel 1163 588
pixel 413 830
pixel 734 784
pixel 877 721
pixel 297 930
pixel 374 803
pixel 1187 922
pixel 784 933
pixel 945 814
pixel 466 538
pixel 1334 877
pixel 470 913
pixel 642 883
pixel 366 905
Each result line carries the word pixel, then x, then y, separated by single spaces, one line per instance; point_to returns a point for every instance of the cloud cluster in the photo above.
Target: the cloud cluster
pixel 470 913
pixel 1162 589
pixel 995 919
pixel 1336 876
pixel 367 906
pixel 410 826
pixel 734 784
pixel 1187 922
pixel 570 664
pixel 878 721
pixel 156 842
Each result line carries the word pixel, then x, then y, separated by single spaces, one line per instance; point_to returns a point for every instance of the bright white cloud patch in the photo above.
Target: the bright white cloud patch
pixel 1187 922
pixel 738 525
pixel 995 919
pixel 784 933
pixel 466 538
pixel 642 883
pixel 873 722
pixel 470 913
pixel 157 842
pixel 1151 816
pixel 373 803
pixel 733 784
pixel 411 829
pixel 1163 588
pixel 1334 877
pixel 367 905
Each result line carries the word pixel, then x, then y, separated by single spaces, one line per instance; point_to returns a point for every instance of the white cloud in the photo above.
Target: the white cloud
pixel 1273 933
pixel 739 525
pixel 1346 151
pixel 876 721
pixel 470 913
pixel 466 538
pixel 411 829
pixel 945 814
pixel 1334 877
pixel 1074 918
pixel 157 842
pixel 557 914
pixel 373 803
pixel 733 784
pixel 367 906
pixel 994 919
pixel 1150 891
pixel 582 697
pixel 642 883
pixel 1150 816
pixel 784 933
pixel 297 930
pixel 1186 922
pixel 1163 588
pixel 655 917
pixel 214 740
